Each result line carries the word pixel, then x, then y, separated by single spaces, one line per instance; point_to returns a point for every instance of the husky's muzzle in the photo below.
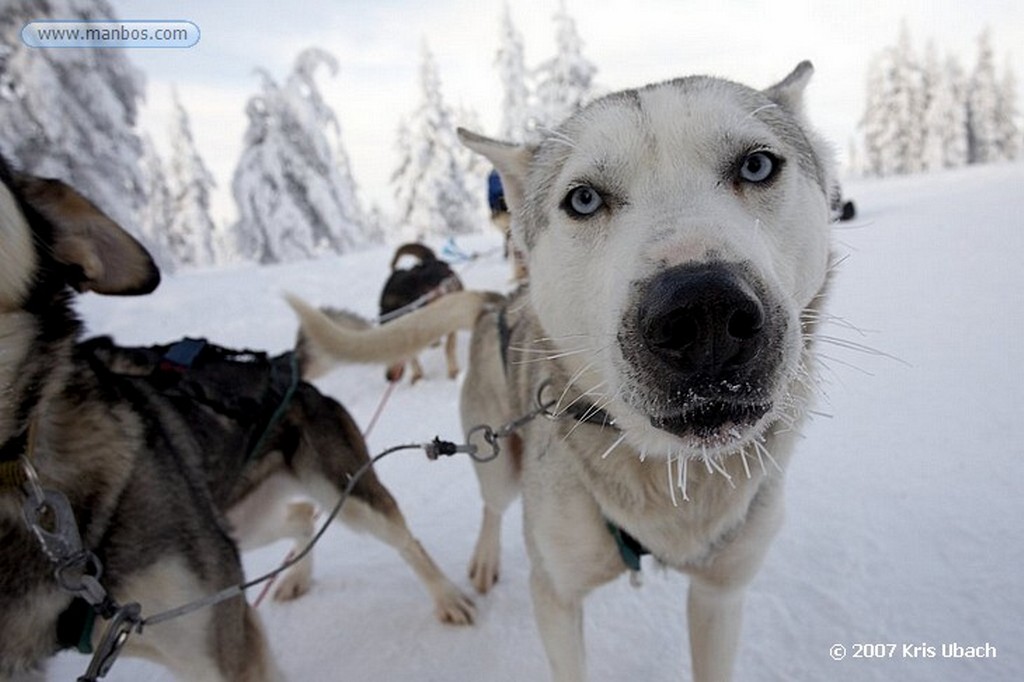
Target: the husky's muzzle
pixel 704 347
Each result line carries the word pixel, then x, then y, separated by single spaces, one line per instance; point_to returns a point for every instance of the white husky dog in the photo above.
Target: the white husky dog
pixel 677 239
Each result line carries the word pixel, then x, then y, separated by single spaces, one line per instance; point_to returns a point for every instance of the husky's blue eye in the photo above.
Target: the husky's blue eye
pixel 758 167
pixel 583 201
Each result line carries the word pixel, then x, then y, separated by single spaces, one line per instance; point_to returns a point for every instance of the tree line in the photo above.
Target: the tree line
pixel 925 112
pixel 73 114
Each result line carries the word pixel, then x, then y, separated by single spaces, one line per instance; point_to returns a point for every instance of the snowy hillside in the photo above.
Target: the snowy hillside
pixel 905 504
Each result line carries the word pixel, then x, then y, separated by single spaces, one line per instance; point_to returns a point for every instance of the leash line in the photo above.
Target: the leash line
pixel 366 434
pixel 380 408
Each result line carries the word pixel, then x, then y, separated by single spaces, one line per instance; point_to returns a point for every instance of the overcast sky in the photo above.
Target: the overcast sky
pixel 632 42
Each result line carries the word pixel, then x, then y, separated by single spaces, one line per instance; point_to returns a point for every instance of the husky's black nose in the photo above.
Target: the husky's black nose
pixel 702 320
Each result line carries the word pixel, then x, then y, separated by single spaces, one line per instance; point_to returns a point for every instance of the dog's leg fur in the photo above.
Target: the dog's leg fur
pixel 417 369
pixel 451 356
pixel 715 600
pixel 323 464
pixel 265 516
pixel 484 401
pixel 207 645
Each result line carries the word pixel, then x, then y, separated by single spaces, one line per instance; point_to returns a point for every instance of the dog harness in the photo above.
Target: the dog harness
pixel 247 387
pixel 448 285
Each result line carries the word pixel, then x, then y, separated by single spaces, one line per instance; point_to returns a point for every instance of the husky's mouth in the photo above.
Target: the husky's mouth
pixel 712 420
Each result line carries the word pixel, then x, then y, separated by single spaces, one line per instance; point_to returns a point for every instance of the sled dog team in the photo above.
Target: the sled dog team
pixel 677 242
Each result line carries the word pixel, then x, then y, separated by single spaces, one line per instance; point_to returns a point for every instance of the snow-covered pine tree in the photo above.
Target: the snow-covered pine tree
pixel 1008 133
pixel 155 216
pixel 191 232
pixel 566 81
pixel 511 64
pixel 908 105
pixel 944 140
pixel 955 127
pixel 71 113
pixel 875 123
pixel 293 184
pixel 430 184
pixel 983 105
pixel 894 110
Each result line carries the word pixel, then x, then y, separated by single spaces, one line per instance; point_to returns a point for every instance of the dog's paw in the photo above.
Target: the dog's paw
pixel 483 571
pixel 293 585
pixel 455 608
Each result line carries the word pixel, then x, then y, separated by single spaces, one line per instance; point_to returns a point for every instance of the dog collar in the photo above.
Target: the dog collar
pixel 588 413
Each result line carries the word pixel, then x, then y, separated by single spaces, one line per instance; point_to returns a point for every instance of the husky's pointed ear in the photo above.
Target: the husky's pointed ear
pixel 789 92
pixel 99 255
pixel 512 162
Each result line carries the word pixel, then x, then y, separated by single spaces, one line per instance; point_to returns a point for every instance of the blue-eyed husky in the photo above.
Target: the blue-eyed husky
pixel 678 247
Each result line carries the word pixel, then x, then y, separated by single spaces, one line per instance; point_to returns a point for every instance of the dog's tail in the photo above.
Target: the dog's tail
pixel 326 340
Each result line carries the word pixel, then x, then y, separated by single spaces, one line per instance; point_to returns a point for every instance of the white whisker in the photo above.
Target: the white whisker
pixel 859 347
pixel 746 468
pixel 618 441
pixel 761 448
pixel 683 465
pixel 671 483
pixel 761 108
pixel 718 466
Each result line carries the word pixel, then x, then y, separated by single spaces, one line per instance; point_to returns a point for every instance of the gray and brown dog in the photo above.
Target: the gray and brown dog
pixel 150 477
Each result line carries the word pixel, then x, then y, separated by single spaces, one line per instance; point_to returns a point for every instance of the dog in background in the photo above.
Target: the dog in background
pixel 150 478
pixel 408 288
pixel 678 242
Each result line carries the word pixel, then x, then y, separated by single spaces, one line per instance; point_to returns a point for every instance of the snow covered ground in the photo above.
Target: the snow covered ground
pixel 905 504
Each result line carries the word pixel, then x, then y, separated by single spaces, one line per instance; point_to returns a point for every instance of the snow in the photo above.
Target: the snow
pixel 904 501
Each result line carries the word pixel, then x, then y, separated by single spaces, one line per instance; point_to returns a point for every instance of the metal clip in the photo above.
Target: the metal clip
pixel 80 575
pixel 115 636
pixel 490 437
pixel 544 408
pixel 48 513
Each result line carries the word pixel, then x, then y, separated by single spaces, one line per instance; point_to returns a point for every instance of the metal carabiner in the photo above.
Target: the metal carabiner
pixel 50 517
pixel 544 408
pixel 489 437
pixel 126 619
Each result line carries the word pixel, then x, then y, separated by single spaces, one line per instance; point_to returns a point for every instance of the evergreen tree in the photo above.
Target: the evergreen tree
pixel 511 64
pixel 564 82
pixel 293 185
pixel 155 216
pixel 191 230
pixel 983 106
pixel 944 139
pixel 71 113
pixel 1008 134
pixel 955 128
pixel 907 93
pixel 430 184
pixel 893 140
pixel 875 124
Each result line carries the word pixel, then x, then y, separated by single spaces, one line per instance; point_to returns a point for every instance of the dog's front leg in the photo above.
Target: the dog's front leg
pixel 715 614
pixel 715 603
pixel 560 622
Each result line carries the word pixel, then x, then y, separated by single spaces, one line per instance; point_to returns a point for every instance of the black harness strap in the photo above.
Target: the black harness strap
pixel 629 547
